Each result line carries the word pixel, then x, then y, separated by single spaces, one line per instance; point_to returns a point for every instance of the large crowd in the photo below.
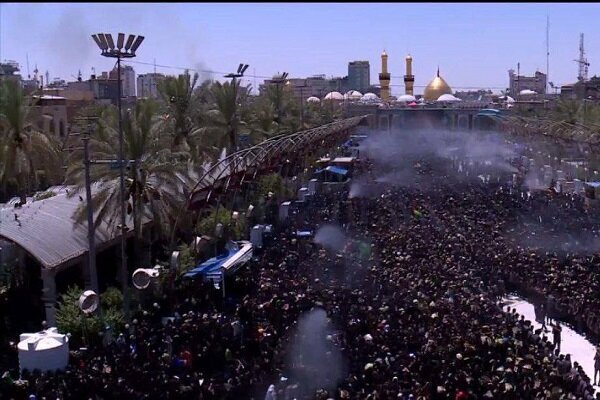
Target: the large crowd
pixel 414 303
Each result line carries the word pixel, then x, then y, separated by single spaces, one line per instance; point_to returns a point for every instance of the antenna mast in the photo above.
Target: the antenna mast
pixel 27 57
pixel 583 62
pixel 547 52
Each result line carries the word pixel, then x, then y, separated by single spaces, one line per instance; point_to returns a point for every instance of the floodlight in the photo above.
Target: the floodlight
pixel 239 70
pixel 130 40
pixel 136 44
pixel 244 69
pixel 104 45
pixel 120 41
pixel 109 38
pixel 97 40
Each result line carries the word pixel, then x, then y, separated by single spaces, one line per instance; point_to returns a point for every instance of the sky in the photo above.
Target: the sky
pixel 474 45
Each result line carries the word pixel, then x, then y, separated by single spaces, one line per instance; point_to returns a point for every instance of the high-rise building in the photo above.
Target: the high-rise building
pixel 147 85
pixel 359 75
pixel 384 77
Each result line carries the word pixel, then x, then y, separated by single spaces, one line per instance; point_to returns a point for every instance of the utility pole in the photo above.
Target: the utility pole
pixel 90 214
pixel 547 52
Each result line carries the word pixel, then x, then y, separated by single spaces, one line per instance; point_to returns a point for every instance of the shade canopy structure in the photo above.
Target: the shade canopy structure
pixel 47 231
pixel 334 170
pixel 236 255
pixel 265 157
pixel 313 99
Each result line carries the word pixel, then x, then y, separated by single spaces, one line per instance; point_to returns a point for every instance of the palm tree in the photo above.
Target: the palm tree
pixel 262 122
pixel 24 150
pixel 178 96
pixel 155 179
pixel 229 112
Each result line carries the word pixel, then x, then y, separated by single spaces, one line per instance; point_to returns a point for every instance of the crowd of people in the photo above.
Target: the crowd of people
pixel 413 302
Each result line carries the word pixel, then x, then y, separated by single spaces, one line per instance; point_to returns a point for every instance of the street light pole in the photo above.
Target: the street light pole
pixel 123 269
pixel 108 49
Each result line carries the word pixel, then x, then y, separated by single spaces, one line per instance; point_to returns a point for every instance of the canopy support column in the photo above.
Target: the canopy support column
pixel 49 295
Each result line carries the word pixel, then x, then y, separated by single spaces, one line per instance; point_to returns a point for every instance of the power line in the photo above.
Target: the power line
pixel 191 69
pixel 270 77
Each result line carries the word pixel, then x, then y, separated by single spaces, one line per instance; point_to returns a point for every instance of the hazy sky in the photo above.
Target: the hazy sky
pixel 473 44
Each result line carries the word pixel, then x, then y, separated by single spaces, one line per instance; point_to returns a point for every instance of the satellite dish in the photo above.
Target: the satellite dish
pixel 88 301
pixel 143 276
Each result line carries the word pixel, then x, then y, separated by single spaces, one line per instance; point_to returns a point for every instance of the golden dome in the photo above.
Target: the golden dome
pixel 436 88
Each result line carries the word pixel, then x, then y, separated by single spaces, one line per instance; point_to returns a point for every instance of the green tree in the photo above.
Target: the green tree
pixel 85 328
pixel 156 178
pixel 177 93
pixel 25 152
pixel 233 229
pixel 226 116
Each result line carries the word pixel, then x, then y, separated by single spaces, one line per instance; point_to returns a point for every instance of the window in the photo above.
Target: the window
pixel 61 128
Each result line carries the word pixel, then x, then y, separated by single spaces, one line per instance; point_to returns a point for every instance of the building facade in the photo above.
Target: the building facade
pixel 317 86
pixel 359 76
pixel 517 83
pixel 147 85
pixel 127 80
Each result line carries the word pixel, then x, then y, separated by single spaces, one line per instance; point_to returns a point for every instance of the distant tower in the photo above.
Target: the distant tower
pixel 583 62
pixel 384 77
pixel 409 78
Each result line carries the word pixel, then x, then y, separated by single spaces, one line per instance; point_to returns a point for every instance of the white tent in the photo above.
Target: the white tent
pixel 353 95
pixel 46 350
pixel 369 97
pixel 526 92
pixel 448 98
pixel 334 96
pixel 313 99
pixel 406 98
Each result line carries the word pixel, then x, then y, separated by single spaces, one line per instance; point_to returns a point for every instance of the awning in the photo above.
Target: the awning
pixel 333 170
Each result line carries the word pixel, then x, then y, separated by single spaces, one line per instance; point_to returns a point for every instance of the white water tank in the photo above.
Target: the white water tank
pixel 46 350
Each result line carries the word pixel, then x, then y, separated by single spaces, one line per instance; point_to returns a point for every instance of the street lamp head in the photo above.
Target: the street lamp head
pixel 107 45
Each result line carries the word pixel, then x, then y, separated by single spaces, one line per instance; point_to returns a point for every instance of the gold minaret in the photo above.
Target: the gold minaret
pixel 384 78
pixel 409 78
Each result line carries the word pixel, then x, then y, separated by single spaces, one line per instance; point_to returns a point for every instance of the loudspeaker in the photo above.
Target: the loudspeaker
pixel 89 301
pixel 143 276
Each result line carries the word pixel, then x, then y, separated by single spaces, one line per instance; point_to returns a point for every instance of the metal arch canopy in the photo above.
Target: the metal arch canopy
pixel 267 149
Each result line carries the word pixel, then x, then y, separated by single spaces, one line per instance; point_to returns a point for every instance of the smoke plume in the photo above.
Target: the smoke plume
pixel 316 361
